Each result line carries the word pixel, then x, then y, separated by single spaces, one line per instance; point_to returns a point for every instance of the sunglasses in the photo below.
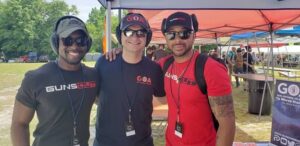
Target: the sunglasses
pixel 139 33
pixel 80 41
pixel 182 35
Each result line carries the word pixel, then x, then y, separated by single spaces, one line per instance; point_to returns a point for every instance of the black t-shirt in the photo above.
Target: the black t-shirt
pixel 247 57
pixel 122 85
pixel 46 91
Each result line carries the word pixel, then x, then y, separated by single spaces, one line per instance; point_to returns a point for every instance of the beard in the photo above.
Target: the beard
pixel 72 61
pixel 184 53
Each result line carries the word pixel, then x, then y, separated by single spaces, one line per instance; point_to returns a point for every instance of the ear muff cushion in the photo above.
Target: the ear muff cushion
pixel 195 22
pixel 54 43
pixel 89 43
pixel 163 25
pixel 149 37
pixel 118 34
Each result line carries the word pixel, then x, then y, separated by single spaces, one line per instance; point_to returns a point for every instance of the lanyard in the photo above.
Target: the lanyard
pixel 74 112
pixel 179 78
pixel 130 103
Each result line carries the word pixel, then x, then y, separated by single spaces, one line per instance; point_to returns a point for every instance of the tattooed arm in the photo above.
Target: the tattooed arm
pixel 222 107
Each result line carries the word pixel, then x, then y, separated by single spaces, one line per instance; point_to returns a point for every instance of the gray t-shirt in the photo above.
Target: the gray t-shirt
pixel 125 85
pixel 46 91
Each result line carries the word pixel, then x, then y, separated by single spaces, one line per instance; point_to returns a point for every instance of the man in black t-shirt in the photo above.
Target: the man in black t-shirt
pixel 61 93
pixel 248 66
pixel 126 89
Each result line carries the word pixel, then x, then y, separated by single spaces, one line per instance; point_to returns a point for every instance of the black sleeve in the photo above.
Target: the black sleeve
pixel 26 93
pixel 250 59
pixel 158 85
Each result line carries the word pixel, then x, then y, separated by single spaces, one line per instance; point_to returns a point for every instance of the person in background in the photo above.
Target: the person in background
pixel 160 52
pixel 248 62
pixel 127 86
pixel 230 60
pixel 238 67
pixel 190 121
pixel 61 93
pixel 150 51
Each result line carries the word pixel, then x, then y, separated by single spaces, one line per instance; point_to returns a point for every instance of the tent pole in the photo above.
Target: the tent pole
pixel 120 18
pixel 271 47
pixel 108 26
pixel 218 47
pixel 266 74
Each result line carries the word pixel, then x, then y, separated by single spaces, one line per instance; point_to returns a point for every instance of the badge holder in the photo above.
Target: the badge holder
pixel 75 138
pixel 129 128
pixel 178 128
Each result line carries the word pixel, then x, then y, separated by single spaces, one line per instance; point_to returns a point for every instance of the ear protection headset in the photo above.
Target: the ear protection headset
pixel 194 23
pixel 119 31
pixel 54 40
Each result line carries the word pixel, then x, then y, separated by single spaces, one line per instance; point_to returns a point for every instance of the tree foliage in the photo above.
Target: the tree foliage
pixel 26 25
pixel 95 24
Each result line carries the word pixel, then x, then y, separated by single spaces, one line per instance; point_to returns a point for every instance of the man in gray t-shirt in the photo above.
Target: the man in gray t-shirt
pixel 61 93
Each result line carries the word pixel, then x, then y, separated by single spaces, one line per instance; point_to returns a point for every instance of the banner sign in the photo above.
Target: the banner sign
pixel 286 114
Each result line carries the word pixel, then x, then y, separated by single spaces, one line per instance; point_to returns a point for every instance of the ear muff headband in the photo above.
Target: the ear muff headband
pixel 194 23
pixel 119 31
pixel 54 39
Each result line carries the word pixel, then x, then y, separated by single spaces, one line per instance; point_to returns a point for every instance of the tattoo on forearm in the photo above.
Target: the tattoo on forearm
pixel 222 106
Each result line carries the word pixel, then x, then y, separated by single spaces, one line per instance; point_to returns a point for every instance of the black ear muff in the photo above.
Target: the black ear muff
pixel 119 34
pixel 194 22
pixel 149 37
pixel 163 26
pixel 54 42
pixel 54 38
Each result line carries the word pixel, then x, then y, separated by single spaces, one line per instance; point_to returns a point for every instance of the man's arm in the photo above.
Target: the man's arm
pixel 160 100
pixel 222 107
pixel 22 115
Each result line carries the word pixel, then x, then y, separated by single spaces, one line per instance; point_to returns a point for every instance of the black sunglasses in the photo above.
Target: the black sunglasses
pixel 80 41
pixel 182 35
pixel 139 33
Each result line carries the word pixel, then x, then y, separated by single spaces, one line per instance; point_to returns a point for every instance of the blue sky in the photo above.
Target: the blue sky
pixel 84 7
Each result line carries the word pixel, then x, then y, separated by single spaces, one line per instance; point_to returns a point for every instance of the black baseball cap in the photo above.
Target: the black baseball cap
pixel 179 19
pixel 134 19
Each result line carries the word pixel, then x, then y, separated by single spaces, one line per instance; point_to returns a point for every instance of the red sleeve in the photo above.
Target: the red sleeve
pixel 217 78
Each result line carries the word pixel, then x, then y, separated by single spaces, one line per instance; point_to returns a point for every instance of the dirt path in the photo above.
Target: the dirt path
pixel 7 96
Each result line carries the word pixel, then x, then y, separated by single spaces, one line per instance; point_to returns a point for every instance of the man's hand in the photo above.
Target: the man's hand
pixel 111 54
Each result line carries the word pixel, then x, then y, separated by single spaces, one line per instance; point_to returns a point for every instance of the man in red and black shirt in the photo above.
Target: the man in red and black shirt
pixel 190 121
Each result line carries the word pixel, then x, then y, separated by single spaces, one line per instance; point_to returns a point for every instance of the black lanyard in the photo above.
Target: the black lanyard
pixel 130 103
pixel 179 79
pixel 74 112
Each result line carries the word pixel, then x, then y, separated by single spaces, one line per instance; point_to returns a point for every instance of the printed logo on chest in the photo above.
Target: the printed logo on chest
pixel 182 80
pixel 143 80
pixel 72 86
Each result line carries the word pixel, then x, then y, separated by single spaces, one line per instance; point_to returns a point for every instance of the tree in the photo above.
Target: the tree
pixel 26 25
pixel 95 24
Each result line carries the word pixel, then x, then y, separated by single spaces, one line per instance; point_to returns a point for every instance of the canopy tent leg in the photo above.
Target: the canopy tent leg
pixel 108 26
pixel 270 58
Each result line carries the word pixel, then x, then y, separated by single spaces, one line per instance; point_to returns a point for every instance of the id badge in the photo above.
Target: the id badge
pixel 129 129
pixel 178 129
pixel 75 139
pixel 76 142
